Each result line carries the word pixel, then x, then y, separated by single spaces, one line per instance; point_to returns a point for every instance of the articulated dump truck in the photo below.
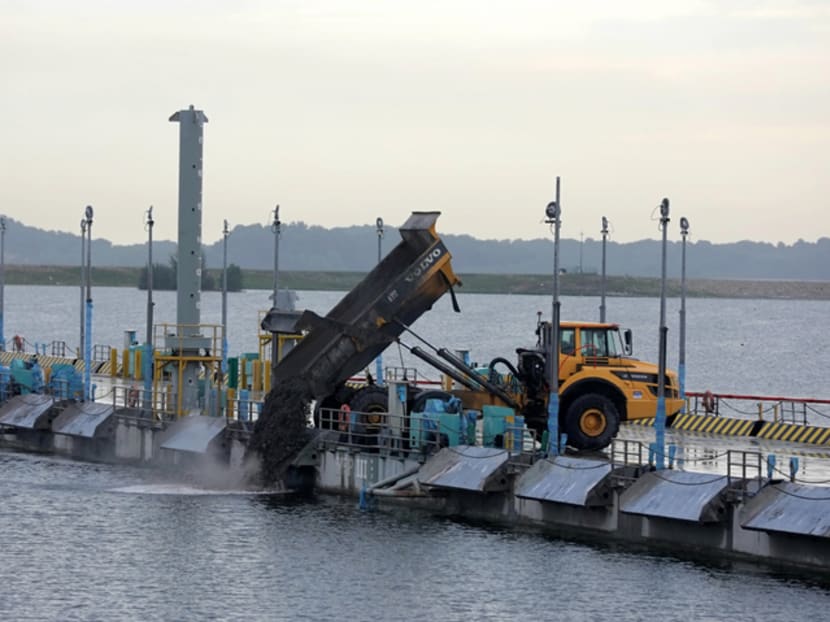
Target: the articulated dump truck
pixel 600 384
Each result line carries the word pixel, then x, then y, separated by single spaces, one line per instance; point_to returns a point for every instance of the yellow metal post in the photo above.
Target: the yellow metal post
pixel 113 362
pixel 257 373
pixel 138 367
pixel 125 364
pixel 231 398
pixel 243 372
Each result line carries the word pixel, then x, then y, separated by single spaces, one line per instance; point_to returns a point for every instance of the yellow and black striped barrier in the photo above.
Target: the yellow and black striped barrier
pixel 729 426
pixel 714 425
pixel 814 435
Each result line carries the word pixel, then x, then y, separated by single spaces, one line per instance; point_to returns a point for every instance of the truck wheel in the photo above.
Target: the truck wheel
pixel 591 422
pixel 373 401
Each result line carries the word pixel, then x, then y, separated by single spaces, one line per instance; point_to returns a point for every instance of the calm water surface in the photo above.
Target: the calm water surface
pixel 101 542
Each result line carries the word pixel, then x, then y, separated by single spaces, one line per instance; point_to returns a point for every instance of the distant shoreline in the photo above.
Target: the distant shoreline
pixel 530 284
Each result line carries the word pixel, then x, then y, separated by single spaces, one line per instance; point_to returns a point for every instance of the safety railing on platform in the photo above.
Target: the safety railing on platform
pixel 58 348
pixel 386 433
pixel 774 409
pixel 101 352
pixel 417 433
pixel 741 468
pixel 626 452
pixel 408 374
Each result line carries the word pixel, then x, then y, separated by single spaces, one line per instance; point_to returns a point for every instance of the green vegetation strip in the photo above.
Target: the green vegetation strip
pixel 570 284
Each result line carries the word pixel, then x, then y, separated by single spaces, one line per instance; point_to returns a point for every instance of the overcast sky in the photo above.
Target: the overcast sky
pixel 343 111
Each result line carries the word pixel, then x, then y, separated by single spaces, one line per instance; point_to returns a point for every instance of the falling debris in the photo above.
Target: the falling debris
pixel 281 431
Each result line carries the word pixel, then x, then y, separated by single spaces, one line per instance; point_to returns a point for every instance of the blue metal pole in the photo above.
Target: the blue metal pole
pixel 553 212
pixel 660 418
pixel 88 352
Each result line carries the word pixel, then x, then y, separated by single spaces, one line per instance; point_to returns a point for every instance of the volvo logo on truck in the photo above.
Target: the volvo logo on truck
pixel 425 264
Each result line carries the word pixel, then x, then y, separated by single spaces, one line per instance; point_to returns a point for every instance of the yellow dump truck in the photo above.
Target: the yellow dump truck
pixel 600 384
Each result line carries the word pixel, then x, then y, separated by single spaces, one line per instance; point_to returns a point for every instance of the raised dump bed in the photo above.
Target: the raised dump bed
pixel 404 285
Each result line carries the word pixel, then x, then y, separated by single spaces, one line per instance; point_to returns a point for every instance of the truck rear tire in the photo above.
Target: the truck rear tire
pixel 373 401
pixel 591 422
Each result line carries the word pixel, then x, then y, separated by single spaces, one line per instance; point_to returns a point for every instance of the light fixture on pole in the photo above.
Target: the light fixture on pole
pixel 660 418
pixel 379 359
pixel 276 229
pixel 148 340
pixel 88 346
pixel 553 212
pixel 681 364
pixel 602 289
pixel 2 281
pixel 225 233
pixel 81 348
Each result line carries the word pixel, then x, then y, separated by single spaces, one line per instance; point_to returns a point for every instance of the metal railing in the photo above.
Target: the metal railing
pixel 383 432
pixel 776 409
pixel 413 434
pixel 741 468
pixel 628 452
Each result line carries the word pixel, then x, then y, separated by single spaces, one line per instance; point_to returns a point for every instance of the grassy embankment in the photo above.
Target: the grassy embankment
pixel 570 284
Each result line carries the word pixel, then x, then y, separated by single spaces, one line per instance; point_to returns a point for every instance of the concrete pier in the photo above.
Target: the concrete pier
pixel 774 523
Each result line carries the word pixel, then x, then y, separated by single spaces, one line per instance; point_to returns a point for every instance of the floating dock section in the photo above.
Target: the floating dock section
pixel 781 524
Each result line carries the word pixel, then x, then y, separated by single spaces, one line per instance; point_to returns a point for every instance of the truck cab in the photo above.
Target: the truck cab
pixel 600 383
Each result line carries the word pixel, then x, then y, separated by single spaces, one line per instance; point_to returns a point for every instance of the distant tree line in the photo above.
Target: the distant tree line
pixel 165 277
pixel 354 249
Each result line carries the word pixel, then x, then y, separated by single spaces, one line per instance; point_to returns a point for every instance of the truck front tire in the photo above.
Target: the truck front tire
pixel 591 422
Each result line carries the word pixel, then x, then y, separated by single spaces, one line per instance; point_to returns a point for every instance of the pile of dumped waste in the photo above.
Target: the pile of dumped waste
pixel 281 431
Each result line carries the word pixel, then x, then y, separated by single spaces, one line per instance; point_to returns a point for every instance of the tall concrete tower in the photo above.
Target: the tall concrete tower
pixel 188 343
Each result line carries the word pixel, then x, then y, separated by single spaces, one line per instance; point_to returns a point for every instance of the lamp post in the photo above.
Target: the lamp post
pixel 379 359
pixel 660 418
pixel 553 212
pixel 88 346
pixel 225 233
pixel 148 341
pixel 602 288
pixel 275 227
pixel 681 363
pixel 81 348
pixel 2 280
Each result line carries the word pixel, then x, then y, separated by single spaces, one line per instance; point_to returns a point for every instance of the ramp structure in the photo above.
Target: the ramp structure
pixel 85 419
pixel 785 507
pixel 572 481
pixel 478 469
pixel 30 411
pixel 680 495
pixel 193 434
